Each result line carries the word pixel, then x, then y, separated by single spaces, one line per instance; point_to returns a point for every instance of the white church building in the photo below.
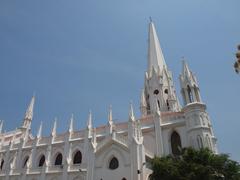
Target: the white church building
pixel 115 151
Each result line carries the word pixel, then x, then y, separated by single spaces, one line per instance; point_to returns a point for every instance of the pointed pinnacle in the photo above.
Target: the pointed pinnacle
pixel 143 99
pixel 29 111
pixel 89 123
pixel 110 118
pixel 131 113
pixel 71 123
pixel 54 130
pixel 40 130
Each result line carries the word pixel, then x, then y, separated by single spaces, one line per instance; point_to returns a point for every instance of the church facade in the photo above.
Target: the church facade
pixel 119 151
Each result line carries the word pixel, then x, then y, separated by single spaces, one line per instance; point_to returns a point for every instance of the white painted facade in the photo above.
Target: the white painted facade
pixel 116 151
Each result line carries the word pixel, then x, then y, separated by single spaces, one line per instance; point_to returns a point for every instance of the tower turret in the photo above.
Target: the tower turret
pixel 189 86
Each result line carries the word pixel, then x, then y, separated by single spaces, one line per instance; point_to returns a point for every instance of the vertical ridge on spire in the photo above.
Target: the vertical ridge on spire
pixel 155 55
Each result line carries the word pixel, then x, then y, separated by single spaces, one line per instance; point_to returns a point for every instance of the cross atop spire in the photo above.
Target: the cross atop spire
pixel 155 55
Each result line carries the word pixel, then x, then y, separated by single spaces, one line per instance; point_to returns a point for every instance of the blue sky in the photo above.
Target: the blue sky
pixel 81 55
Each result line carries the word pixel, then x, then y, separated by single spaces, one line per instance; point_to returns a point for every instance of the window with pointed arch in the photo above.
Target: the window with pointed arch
pixel 176 143
pixel 199 142
pixel 41 161
pixel 113 163
pixel 190 96
pixel 2 163
pixel 77 158
pixel 58 160
pixel 25 162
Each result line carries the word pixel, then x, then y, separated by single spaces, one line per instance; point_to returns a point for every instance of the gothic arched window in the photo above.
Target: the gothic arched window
pixel 113 164
pixel 2 163
pixel 176 143
pixel 77 159
pixel 58 160
pixel 41 161
pixel 199 142
pixel 25 161
pixel 190 96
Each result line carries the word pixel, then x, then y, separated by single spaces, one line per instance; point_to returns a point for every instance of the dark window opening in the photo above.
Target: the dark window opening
pixel 166 91
pixel 41 161
pixel 2 163
pixel 25 162
pixel 77 158
pixel 156 92
pixel 58 160
pixel 190 94
pixel 168 106
pixel 124 179
pixel 158 104
pixel 176 143
pixel 113 163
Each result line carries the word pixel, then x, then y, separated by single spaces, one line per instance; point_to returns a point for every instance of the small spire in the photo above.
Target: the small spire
pixel 94 137
pixel 29 112
pixel 1 126
pixel 71 123
pixel 54 130
pixel 131 113
pixel 185 70
pixel 39 135
pixel 110 118
pixel 89 123
pixel 143 99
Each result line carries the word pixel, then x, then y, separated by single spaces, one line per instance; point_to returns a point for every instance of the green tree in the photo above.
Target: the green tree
pixel 194 164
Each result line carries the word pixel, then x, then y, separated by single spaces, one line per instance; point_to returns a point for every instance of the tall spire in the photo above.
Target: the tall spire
pixel 29 113
pixel 110 118
pixel 155 55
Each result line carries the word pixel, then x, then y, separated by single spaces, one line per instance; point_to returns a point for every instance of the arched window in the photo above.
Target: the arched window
pixel 168 106
pixel 196 93
pixel 25 161
pixel 58 160
pixel 124 179
pixel 2 163
pixel 199 142
pixel 176 143
pixel 41 161
pixel 190 96
pixel 77 159
pixel 113 164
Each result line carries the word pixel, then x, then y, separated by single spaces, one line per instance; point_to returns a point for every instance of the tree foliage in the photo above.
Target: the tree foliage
pixel 195 165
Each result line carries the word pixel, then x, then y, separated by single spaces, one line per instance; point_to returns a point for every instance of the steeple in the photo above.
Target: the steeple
pixel 158 79
pixel 155 55
pixel 29 114
pixel 71 124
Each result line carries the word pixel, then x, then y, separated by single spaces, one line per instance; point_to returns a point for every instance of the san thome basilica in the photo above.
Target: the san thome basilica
pixel 116 151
